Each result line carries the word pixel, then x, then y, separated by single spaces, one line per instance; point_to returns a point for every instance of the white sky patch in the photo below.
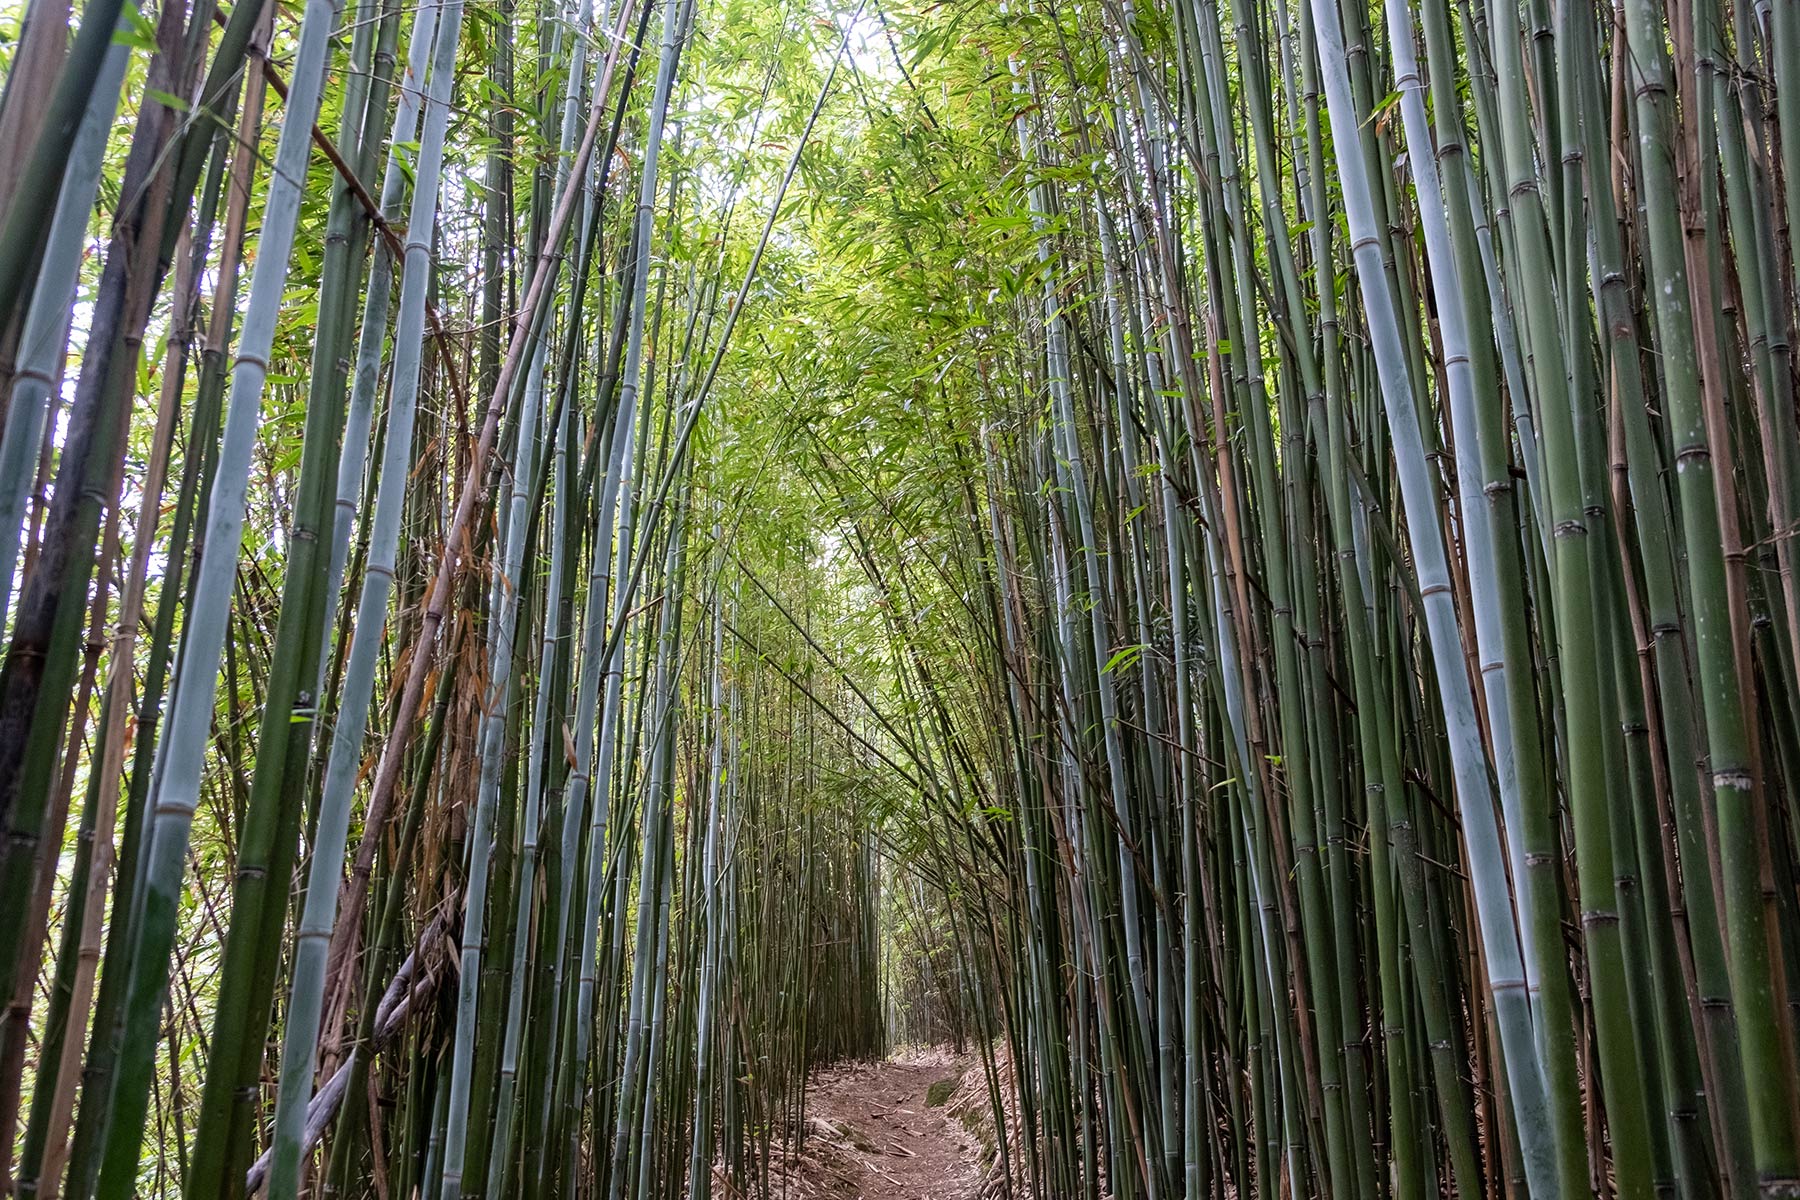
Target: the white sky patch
pixel 869 49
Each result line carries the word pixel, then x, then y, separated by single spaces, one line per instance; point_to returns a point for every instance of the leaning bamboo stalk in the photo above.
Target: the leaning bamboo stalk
pixel 188 733
pixel 54 1099
pixel 42 44
pixel 391 1005
pixel 1504 964
pixel 387 771
pixel 269 830
pixel 378 294
pixel 1496 598
pixel 81 1151
pixel 322 894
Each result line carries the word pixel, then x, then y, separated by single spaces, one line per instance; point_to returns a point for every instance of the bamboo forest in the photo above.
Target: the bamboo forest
pixel 900 599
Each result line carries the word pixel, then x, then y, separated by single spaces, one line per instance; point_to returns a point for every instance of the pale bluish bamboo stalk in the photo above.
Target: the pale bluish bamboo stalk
pixel 366 375
pixel 189 732
pixel 1474 793
pixel 1554 1039
pixel 307 995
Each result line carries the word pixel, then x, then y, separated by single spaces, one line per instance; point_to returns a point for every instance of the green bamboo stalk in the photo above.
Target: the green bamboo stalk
pixel 204 632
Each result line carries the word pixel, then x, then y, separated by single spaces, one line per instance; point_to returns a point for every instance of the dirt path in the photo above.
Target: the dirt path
pixel 881 1137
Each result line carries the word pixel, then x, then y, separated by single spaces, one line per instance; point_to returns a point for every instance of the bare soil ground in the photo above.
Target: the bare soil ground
pixel 869 1126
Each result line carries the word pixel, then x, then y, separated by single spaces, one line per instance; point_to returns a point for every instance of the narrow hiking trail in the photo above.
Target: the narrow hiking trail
pixel 872 1134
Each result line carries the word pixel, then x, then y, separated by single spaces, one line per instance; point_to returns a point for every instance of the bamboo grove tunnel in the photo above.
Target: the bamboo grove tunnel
pixel 1053 599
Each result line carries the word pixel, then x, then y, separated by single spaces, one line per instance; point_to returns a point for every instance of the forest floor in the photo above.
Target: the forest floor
pixel 873 1133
